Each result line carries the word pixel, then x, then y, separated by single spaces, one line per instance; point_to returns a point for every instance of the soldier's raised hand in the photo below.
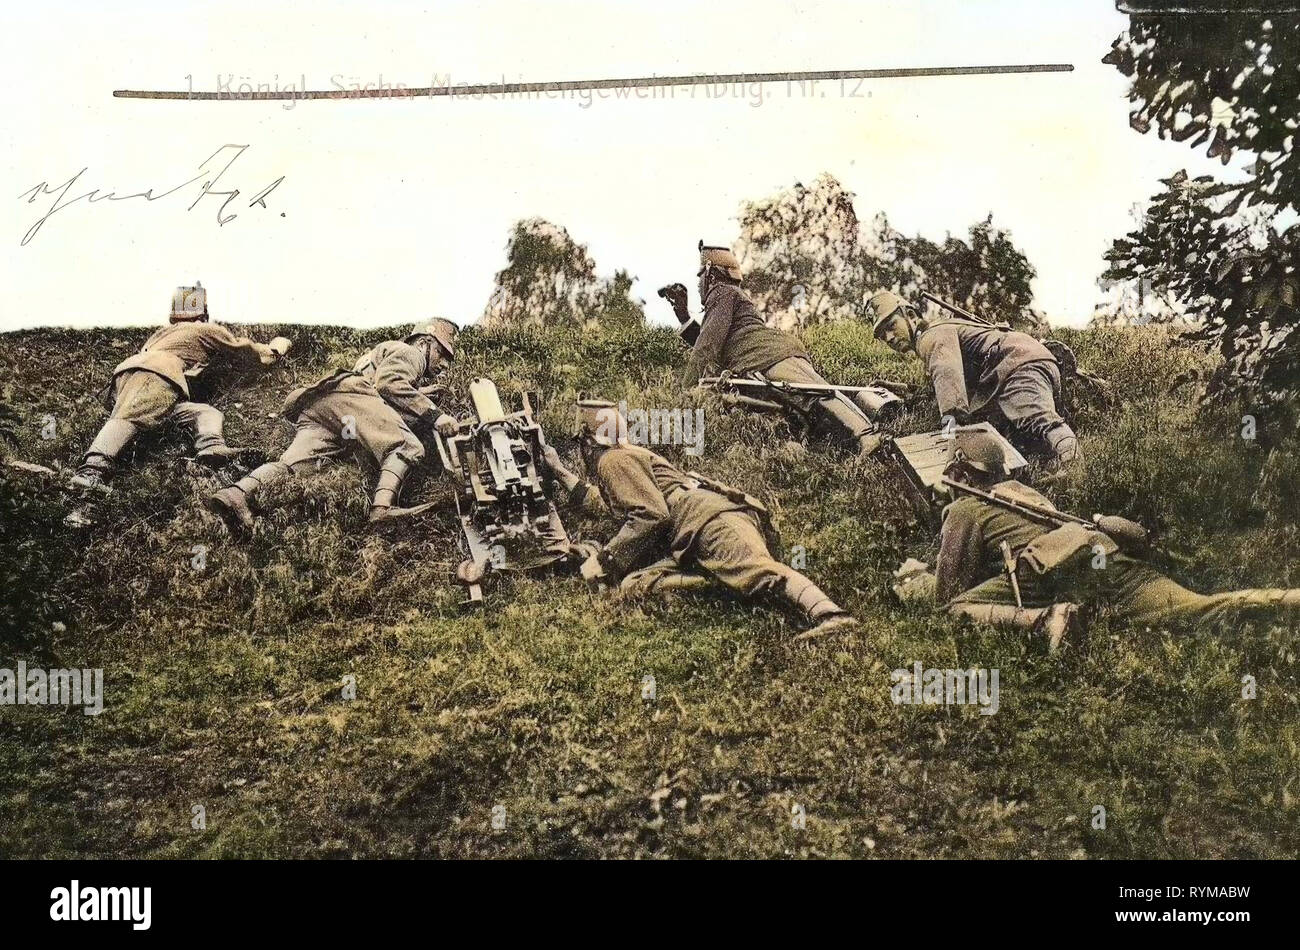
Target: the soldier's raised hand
pixel 676 296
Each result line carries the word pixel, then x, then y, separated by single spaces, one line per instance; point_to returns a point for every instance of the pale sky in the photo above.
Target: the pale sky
pixel 397 210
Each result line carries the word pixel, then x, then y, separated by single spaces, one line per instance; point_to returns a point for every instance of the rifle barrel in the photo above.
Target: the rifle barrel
pixel 1052 515
pixel 951 307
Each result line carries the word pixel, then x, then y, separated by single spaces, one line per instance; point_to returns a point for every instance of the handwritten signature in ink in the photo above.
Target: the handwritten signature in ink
pixel 227 154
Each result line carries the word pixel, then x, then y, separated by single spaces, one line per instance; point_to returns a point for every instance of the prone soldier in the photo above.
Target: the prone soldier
pixel 1055 562
pixel 376 406
pixel 679 530
pixel 984 369
pixel 733 337
pixel 154 385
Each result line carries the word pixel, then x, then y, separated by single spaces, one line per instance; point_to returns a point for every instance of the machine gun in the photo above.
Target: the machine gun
pixel 880 400
pixel 507 520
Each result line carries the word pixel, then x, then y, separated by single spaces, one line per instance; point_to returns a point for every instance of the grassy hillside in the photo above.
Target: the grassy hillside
pixel 223 685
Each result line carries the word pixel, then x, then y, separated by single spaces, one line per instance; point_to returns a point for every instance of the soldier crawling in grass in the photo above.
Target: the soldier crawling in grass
pixel 1050 569
pixel 377 407
pixel 984 371
pixel 678 531
pixel 158 383
pixel 734 338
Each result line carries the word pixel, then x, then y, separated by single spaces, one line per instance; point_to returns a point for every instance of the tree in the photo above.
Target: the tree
pixel 798 250
pixel 989 276
pixel 807 260
pixel 1221 247
pixel 1134 301
pixel 550 280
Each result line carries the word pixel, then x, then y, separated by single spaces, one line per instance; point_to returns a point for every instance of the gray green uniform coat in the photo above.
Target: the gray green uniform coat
pixel 154 385
pixel 734 337
pixel 969 570
pixel 375 406
pixel 675 534
pixel 974 367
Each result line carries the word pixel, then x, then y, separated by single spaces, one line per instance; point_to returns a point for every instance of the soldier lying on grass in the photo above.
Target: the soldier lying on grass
pixel 979 371
pixel 735 338
pixel 1057 570
pixel 376 407
pixel 155 385
pixel 678 531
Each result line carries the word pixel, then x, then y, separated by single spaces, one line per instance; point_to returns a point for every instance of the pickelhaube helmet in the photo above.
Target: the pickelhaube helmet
pixel 721 258
pixel 981 451
pixel 600 420
pixel 884 305
pixel 442 330
pixel 189 305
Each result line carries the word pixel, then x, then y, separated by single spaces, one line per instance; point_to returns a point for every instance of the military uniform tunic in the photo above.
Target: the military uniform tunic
pixel 376 406
pixel 973 367
pixel 154 385
pixel 733 336
pixel 969 570
pixel 705 534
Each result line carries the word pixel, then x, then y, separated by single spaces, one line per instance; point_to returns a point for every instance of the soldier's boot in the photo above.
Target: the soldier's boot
pixel 111 442
pixel 217 455
pixel 854 422
pixel 210 446
pixel 232 503
pixel 384 508
pixel 679 581
pixel 1062 446
pixel 1055 622
pixel 824 615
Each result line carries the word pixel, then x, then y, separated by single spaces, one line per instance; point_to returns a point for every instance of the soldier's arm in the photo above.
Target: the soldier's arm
pixel 940 349
pixel 240 348
pixel 957 568
pixel 633 497
pixel 581 495
pixel 720 310
pixel 397 371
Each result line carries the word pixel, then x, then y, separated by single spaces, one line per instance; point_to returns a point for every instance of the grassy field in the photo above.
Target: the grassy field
pixel 224 685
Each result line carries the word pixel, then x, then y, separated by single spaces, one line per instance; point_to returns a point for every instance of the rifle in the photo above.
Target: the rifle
pixel 507 518
pixel 964 314
pixel 1127 533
